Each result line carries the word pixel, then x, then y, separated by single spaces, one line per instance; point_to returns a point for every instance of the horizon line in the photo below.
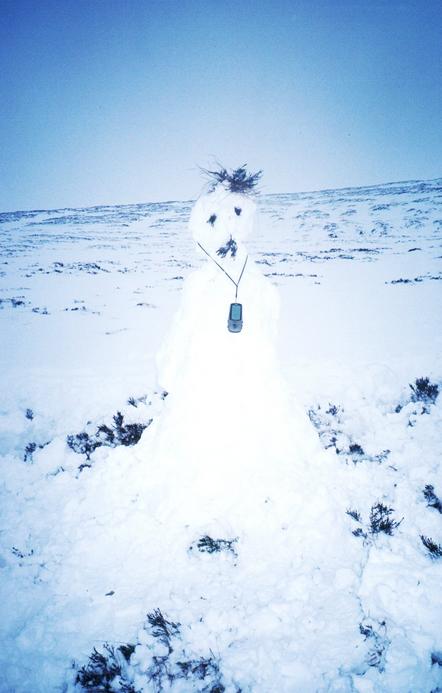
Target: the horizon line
pixel 262 194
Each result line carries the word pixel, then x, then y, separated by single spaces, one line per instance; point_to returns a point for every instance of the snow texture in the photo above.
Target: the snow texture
pixel 187 509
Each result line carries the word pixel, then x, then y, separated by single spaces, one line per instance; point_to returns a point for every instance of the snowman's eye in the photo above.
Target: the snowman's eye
pixel 238 211
pixel 211 220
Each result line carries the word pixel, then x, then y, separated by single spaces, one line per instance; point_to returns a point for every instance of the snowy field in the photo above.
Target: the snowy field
pixel 330 582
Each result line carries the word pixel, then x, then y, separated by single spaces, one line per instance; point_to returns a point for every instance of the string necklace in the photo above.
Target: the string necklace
pixel 234 322
pixel 226 273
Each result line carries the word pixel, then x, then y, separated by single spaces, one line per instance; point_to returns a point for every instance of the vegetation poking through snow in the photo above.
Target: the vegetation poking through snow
pixel 359 532
pixel 432 500
pixel 82 444
pixel 21 554
pixel 30 449
pixel 154 664
pixel 162 629
pixel 120 433
pixel 135 401
pixel 436 658
pixel 356 515
pixel 424 391
pixel 208 545
pixel 380 521
pixel 237 180
pixel 201 669
pixel 15 301
pixel 416 280
pixel 379 643
pixel 435 550
pixel 329 424
pixel 127 651
pixel 170 662
pixel 106 671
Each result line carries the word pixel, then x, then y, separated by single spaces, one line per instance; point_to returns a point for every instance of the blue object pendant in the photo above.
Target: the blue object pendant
pixel 235 318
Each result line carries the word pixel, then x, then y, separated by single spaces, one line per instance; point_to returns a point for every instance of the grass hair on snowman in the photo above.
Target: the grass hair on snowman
pixel 237 180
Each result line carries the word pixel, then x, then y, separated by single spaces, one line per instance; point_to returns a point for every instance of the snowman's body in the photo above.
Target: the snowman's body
pixel 228 422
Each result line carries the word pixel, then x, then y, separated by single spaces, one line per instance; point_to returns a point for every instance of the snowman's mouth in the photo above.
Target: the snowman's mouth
pixel 229 247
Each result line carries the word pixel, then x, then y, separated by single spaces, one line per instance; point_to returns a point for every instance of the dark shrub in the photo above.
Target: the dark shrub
pixel 432 500
pixel 424 391
pixel 380 520
pixel 208 545
pixel 435 550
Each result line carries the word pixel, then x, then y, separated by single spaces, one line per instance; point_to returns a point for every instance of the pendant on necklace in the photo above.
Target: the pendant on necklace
pixel 234 322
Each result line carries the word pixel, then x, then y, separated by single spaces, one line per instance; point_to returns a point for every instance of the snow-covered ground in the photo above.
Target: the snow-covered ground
pixel 331 580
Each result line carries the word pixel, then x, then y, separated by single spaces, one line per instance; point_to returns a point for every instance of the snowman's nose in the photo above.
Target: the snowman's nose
pixel 229 246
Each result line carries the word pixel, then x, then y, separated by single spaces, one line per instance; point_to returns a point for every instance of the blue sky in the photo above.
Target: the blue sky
pixel 115 101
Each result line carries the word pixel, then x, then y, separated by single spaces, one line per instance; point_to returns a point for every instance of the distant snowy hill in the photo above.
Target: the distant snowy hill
pixel 334 582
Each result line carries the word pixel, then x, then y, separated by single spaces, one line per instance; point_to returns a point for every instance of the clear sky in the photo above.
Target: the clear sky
pixel 115 101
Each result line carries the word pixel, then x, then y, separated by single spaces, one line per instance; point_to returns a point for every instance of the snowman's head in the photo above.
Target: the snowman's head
pixel 221 220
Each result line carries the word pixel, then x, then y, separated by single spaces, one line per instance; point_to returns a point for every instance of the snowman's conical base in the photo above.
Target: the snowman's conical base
pixel 229 433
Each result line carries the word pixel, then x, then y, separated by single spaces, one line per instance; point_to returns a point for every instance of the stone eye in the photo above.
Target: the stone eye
pixel 238 211
pixel 211 220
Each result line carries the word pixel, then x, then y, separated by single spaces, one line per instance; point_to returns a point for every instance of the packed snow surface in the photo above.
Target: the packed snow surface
pixel 187 509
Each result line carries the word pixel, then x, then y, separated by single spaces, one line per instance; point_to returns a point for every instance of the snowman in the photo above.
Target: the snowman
pixel 229 431
pixel 234 460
